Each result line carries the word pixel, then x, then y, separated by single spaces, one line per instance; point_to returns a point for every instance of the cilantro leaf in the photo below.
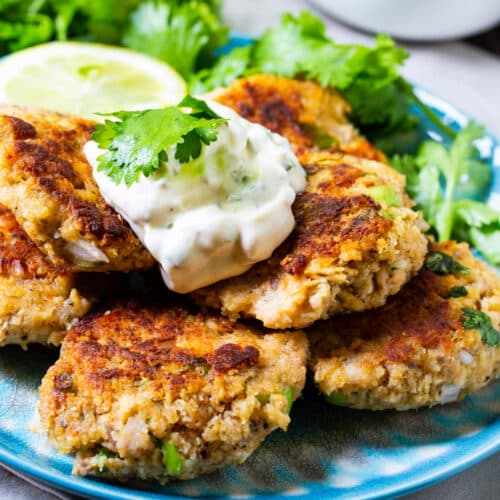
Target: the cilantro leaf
pixel 191 30
pixel 478 320
pixel 176 34
pixel 438 178
pixel 138 142
pixel 223 72
pixel 369 77
pixel 487 241
pixel 443 264
pixel 22 24
pixel 457 291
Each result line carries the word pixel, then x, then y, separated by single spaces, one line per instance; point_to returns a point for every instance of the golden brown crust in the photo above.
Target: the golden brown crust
pixel 145 345
pixel 341 234
pixel 299 111
pixel 48 184
pixel 403 354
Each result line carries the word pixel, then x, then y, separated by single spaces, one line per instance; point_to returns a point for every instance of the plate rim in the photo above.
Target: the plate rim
pixel 89 488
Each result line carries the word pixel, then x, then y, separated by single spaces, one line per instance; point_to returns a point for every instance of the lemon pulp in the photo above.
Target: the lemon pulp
pixel 84 79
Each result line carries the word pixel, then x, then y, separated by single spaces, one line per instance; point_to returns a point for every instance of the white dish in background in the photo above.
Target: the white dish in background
pixel 417 20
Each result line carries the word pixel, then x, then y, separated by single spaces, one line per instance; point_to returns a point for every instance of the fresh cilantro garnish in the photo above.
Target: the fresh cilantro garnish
pixel 172 459
pixel 140 141
pixel 369 77
pixel 442 264
pixel 477 320
pixel 439 178
pixel 457 291
pixel 184 33
pixel 223 72
pixel 180 35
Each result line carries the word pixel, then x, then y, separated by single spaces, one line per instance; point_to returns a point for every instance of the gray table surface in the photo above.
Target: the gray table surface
pixel 468 77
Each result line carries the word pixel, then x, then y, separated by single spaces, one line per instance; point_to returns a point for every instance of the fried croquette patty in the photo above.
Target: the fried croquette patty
pixel 415 351
pixel 348 252
pixel 162 393
pixel 46 181
pixel 309 116
pixel 38 300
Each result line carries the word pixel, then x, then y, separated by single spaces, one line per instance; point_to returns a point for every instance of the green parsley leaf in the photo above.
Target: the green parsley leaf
pixel 140 141
pixel 172 459
pixel 478 320
pixel 457 291
pixel 176 34
pixel 443 264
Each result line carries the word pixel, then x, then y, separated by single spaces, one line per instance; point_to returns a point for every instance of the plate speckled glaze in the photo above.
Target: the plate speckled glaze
pixel 327 451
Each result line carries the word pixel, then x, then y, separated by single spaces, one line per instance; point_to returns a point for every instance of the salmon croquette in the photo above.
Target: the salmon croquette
pixel 163 393
pixel 39 301
pixel 433 343
pixel 311 117
pixel 46 181
pixel 357 241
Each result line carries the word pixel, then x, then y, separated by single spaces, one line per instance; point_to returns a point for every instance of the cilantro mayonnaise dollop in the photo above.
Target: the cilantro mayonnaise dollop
pixel 216 216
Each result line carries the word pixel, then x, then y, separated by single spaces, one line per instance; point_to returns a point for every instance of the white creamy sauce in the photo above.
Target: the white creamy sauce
pixel 216 216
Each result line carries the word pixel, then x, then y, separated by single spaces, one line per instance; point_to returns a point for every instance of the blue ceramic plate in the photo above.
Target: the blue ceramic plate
pixel 327 452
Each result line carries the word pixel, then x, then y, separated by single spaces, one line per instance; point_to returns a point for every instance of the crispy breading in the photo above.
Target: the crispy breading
pixel 138 378
pixel 38 300
pixel 309 116
pixel 347 252
pixel 414 351
pixel 46 181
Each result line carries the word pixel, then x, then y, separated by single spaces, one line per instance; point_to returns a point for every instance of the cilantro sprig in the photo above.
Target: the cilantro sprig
pixel 138 142
pixel 369 77
pixel 440 178
pixel 478 320
pixel 183 33
pixel 443 264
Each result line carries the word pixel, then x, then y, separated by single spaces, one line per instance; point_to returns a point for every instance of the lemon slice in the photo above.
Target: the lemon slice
pixel 86 78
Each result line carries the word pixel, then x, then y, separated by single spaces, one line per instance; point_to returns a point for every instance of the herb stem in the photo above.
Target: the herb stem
pixel 433 117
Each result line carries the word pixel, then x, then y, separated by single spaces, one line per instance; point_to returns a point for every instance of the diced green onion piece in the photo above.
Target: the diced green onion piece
pixel 102 456
pixel 337 398
pixel 262 397
pixel 172 460
pixel 385 194
pixel 288 393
